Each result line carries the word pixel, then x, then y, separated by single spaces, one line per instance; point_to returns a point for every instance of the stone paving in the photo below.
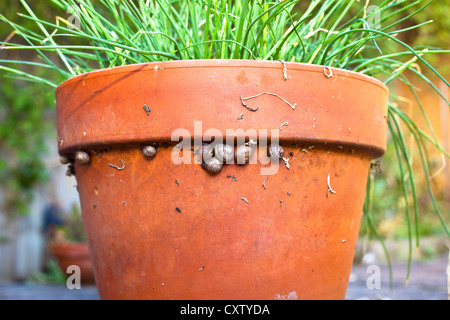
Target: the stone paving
pixel 428 281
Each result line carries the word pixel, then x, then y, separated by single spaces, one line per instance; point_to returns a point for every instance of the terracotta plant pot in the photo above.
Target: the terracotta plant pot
pixel 160 230
pixel 74 253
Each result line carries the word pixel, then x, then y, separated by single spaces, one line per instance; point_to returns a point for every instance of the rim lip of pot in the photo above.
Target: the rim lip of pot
pixel 204 63
pixel 74 122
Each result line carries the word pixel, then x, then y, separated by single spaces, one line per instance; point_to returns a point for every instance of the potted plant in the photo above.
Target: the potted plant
pixel 270 83
pixel 68 245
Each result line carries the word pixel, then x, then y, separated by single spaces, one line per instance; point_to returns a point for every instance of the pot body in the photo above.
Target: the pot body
pixel 162 230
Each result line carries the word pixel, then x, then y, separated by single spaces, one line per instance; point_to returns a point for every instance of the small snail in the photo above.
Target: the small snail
pixel 275 151
pixel 212 165
pixel 224 153
pixel 70 170
pixel 64 159
pixel 82 157
pixel 207 151
pixel 243 154
pixel 149 151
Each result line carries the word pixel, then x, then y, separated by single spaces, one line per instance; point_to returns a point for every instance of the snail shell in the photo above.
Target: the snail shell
pixel 82 157
pixel 212 165
pixel 224 153
pixel 207 151
pixel 275 151
pixel 243 154
pixel 64 159
pixel 149 151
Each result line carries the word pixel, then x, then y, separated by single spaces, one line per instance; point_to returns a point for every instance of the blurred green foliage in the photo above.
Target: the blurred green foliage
pixel 27 118
pixel 51 274
pixel 72 228
pixel 388 207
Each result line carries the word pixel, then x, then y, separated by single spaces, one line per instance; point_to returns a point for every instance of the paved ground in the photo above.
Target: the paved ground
pixel 428 281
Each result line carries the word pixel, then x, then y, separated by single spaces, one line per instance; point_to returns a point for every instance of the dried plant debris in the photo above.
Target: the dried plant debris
pixel 245 199
pixel 286 162
pixel 70 170
pixel 147 109
pixel 327 72
pixel 240 116
pixel 329 187
pixel 283 124
pixel 284 70
pixel 176 181
pixel 232 177
pixel 376 167
pixel 245 105
pixel 264 183
pixel 116 167
pixel 260 94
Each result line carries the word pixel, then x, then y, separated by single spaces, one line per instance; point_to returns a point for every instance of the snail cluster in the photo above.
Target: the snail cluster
pixel 214 155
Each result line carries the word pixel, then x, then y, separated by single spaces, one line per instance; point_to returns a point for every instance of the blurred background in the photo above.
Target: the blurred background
pixel 39 203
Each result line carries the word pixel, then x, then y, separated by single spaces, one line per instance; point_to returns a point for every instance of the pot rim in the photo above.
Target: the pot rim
pixel 88 129
pixel 214 63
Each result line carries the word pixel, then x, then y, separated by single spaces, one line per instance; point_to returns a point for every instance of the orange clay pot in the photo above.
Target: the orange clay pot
pixel 74 253
pixel 157 230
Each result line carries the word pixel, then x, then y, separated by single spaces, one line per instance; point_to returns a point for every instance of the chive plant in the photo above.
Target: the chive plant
pixel 334 33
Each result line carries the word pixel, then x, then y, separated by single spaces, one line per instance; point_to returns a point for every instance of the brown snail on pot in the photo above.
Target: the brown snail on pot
pixel 224 153
pixel 149 151
pixel 207 151
pixel 64 160
pixel 82 157
pixel 243 154
pixel 212 165
pixel 275 151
